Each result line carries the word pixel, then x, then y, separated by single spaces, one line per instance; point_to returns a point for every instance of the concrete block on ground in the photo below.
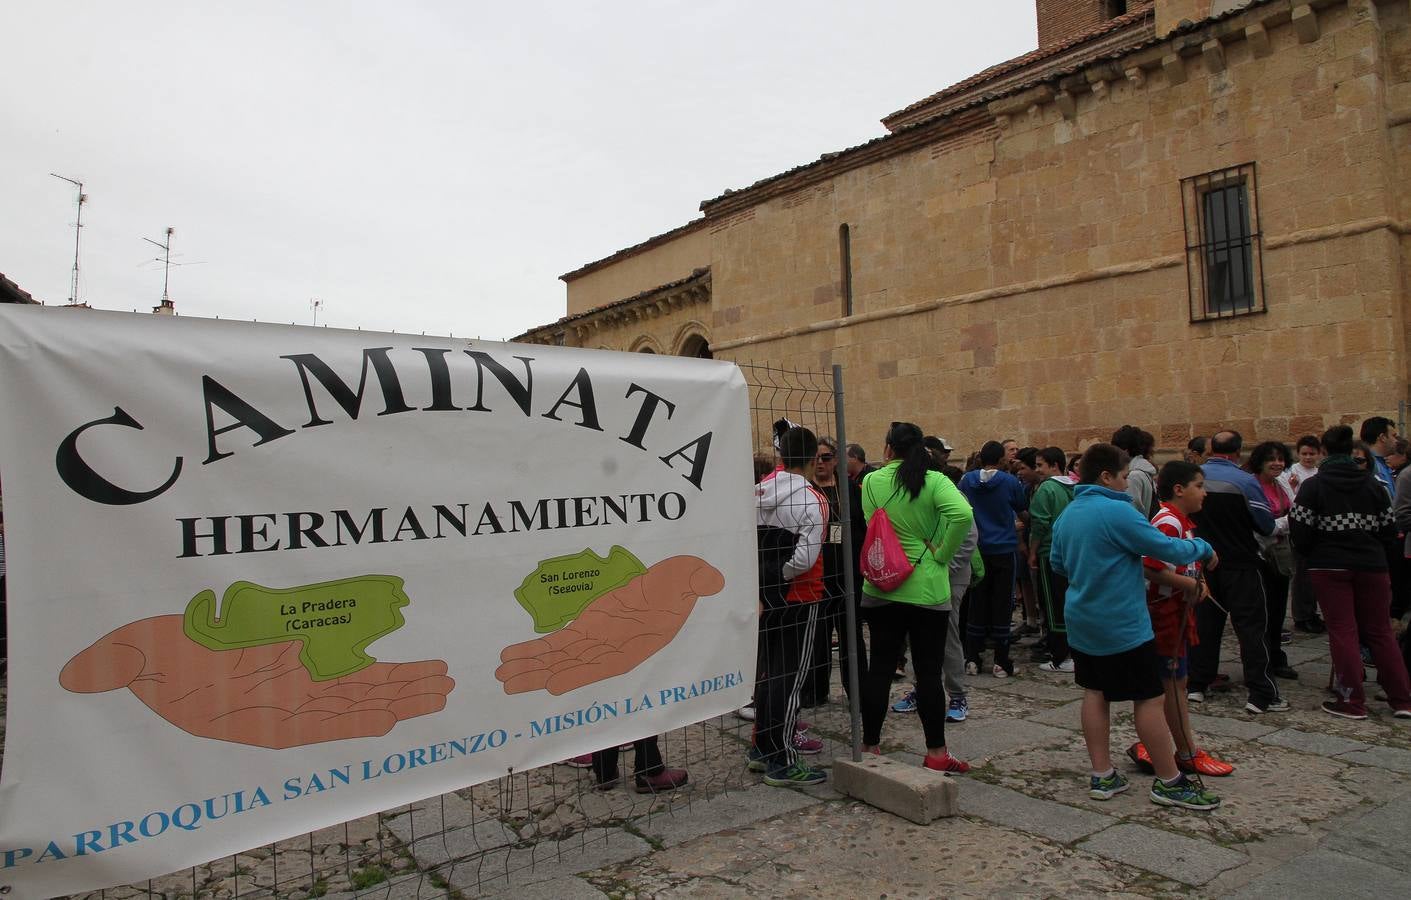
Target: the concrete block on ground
pixel 911 792
pixel 733 810
pixel 1055 821
pixel 1173 856
pixel 1326 873
pixel 1308 742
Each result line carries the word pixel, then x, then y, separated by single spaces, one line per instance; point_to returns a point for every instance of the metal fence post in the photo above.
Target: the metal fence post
pixel 849 575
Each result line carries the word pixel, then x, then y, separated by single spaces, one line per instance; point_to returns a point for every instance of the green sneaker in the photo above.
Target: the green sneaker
pixel 797 775
pixel 1109 787
pixel 755 760
pixel 1185 793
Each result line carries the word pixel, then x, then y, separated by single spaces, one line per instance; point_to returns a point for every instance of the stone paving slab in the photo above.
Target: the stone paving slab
pixel 1326 873
pixel 1170 855
pixel 980 739
pixel 731 810
pixel 1065 716
pixel 1393 758
pixel 1055 687
pixel 1301 652
pixel 1308 742
pixel 1236 728
pixel 546 862
pixel 1055 821
pixel 1378 837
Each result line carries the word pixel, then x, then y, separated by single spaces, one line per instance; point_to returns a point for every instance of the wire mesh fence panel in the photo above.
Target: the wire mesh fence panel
pixel 621 802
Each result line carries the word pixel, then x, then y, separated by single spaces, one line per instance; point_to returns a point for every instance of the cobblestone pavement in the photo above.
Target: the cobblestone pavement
pixel 1318 806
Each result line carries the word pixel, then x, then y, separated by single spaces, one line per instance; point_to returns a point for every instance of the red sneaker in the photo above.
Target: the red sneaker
pixel 1204 764
pixel 946 763
pixel 1139 755
pixel 665 780
pixel 580 762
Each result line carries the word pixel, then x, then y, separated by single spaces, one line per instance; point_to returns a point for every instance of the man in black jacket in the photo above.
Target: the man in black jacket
pixel 1340 522
pixel 1235 511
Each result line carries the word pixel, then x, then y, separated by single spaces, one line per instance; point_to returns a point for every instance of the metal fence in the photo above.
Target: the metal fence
pixel 493 837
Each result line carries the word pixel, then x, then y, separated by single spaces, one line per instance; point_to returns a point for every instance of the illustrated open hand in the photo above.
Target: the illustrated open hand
pixel 614 633
pixel 261 696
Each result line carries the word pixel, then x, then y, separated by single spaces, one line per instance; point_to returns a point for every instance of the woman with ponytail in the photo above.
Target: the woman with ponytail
pixel 931 519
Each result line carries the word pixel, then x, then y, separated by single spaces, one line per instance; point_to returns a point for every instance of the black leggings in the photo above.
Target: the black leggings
pixel 891 626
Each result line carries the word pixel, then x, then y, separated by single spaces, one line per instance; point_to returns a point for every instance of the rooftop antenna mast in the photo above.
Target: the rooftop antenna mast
pixel 166 265
pixel 77 231
pixel 316 304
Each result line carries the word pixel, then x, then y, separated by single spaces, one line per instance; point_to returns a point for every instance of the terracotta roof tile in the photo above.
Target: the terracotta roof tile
pixel 701 275
pixel 1027 59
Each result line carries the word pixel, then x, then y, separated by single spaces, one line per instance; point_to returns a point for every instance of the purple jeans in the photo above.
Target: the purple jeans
pixel 1358 605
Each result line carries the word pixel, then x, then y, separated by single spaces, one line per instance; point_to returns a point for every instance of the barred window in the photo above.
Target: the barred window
pixel 1224 273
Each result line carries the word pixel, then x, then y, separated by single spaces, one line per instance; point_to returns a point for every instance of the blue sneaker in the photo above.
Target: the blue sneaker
pixel 906 704
pixel 958 710
pixel 797 775
pixel 1109 787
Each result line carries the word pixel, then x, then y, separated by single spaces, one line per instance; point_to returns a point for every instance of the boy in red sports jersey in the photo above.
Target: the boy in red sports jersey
pixel 1171 595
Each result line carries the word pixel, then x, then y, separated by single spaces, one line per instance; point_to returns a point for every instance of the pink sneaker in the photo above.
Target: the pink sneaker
pixel 807 746
pixel 580 762
pixel 947 764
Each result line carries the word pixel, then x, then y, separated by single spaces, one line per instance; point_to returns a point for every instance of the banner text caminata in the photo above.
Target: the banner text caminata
pixel 507 556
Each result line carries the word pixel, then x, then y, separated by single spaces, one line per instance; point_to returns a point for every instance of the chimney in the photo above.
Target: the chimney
pixel 166 309
pixel 1062 20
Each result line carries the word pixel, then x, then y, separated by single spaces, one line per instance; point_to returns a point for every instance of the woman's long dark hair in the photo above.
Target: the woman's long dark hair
pixel 905 439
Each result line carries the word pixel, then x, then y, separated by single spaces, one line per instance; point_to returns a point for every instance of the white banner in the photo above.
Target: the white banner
pixel 265 579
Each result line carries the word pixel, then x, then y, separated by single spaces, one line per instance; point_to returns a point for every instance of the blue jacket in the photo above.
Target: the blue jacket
pixel 996 497
pixel 1235 511
pixel 1098 545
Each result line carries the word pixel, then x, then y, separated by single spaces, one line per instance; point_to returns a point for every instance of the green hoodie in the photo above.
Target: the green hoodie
pixel 940 510
pixel 1049 500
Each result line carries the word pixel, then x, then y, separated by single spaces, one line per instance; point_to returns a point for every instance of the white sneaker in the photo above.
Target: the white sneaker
pixel 746 712
pixel 971 669
pixel 1063 668
pixel 999 672
pixel 1195 696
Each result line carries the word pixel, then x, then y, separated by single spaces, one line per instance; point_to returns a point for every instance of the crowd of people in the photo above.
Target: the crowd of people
pixel 1123 576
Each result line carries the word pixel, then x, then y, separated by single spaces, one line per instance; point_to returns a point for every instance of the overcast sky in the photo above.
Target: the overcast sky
pixel 427 166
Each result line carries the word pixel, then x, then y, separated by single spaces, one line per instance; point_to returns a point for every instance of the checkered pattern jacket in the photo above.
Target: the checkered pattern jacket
pixel 1342 519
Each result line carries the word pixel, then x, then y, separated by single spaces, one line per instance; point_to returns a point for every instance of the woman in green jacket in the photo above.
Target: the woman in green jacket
pixel 931 519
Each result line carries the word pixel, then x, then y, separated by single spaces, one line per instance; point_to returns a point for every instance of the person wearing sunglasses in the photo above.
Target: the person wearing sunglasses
pixel 833 614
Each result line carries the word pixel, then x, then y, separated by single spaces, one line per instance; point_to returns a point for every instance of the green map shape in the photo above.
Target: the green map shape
pixel 558 590
pixel 314 614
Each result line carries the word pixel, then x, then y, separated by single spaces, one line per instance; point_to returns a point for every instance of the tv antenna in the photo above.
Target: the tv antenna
pixel 77 231
pixel 165 260
pixel 315 304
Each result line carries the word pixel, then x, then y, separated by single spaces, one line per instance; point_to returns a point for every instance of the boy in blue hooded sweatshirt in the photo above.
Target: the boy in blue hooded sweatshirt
pixel 1098 545
pixel 996 497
